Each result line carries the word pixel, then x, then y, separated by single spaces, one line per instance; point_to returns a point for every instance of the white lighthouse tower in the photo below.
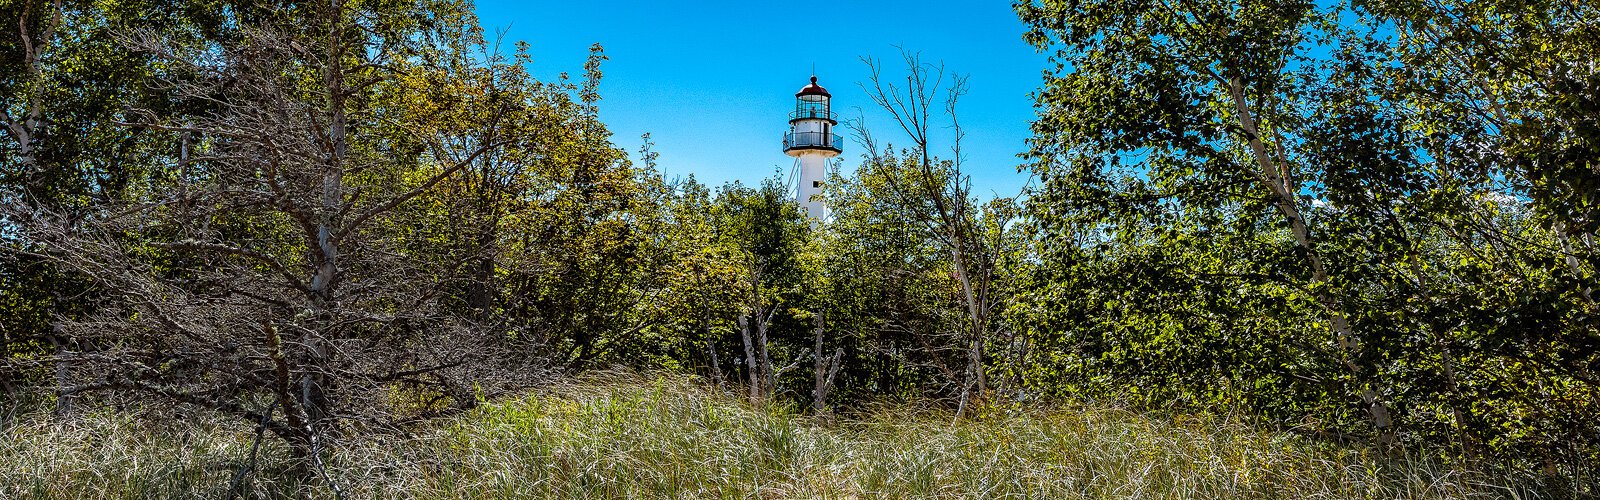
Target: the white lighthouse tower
pixel 811 142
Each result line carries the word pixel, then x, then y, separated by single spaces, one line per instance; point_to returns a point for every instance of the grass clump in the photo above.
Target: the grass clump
pixel 673 438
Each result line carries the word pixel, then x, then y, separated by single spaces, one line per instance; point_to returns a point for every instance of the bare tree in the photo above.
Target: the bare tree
pixel 936 194
pixel 753 322
pixel 263 283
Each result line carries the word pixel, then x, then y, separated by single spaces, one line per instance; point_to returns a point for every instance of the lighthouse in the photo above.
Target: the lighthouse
pixel 811 142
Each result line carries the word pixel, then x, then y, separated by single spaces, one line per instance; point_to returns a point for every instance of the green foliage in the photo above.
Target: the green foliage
pixel 1335 217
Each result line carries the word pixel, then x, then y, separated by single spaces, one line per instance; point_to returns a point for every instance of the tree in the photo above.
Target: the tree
pixel 1513 138
pixel 1237 169
pixel 1204 98
pixel 936 194
pixel 262 282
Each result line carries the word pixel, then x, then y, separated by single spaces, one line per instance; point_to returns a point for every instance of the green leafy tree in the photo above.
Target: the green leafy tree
pixel 1501 98
pixel 1301 216
pixel 1181 138
pixel 704 284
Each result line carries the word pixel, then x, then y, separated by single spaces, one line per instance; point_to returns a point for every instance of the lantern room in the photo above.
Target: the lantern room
pixel 811 124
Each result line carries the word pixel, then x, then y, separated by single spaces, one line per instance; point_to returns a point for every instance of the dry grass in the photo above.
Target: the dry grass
pixel 672 438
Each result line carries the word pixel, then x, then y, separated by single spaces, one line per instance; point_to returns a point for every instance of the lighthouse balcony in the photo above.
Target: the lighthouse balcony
pixel 794 141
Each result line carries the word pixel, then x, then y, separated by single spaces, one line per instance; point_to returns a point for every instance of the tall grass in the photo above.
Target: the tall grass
pixel 673 438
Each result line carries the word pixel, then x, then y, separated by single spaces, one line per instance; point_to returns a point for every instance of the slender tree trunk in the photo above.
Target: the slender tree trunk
pixel 972 389
pixel 22 133
pixel 975 383
pixel 26 130
pixel 767 382
pixel 752 373
pixel 1572 260
pixel 65 402
pixel 819 367
pixel 825 368
pixel 297 429
pixel 1276 179
pixel 711 346
pixel 1447 364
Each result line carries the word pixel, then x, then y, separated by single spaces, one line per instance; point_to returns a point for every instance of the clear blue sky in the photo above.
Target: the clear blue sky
pixel 713 81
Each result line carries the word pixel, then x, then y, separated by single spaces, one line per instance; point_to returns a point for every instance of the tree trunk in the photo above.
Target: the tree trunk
pixel 1572 260
pixel 711 347
pixel 480 297
pixel 312 391
pixel 1277 182
pixel 765 362
pixel 975 383
pixel 751 372
pixel 824 369
pixel 63 379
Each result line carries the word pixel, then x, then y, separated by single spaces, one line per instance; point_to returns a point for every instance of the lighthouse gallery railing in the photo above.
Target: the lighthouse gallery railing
pixel 813 140
pixel 813 112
